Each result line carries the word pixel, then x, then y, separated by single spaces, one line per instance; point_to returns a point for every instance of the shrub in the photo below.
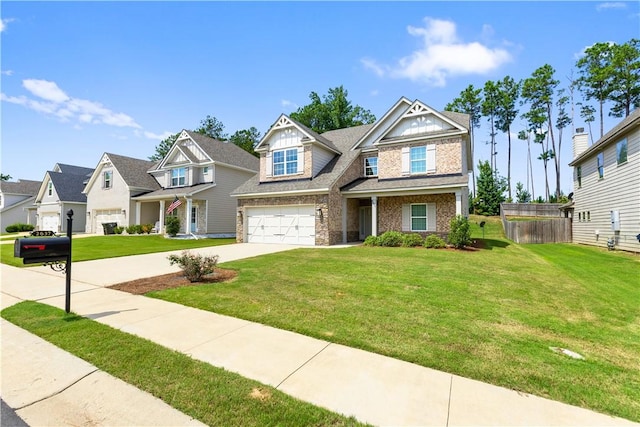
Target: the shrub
pixel 460 234
pixel 391 239
pixel 194 266
pixel 434 241
pixel 146 228
pixel 14 228
pixel 134 229
pixel 372 241
pixel 172 224
pixel 412 240
pixel 118 229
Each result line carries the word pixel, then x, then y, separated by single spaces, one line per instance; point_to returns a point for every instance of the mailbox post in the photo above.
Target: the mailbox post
pixel 52 251
pixel 67 300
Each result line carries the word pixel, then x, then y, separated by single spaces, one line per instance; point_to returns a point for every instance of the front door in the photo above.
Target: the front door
pixel 365 222
pixel 194 219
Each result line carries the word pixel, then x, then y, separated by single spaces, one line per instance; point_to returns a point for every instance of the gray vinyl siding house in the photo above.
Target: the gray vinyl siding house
pixel 607 187
pixel 17 202
pixel 61 191
pixel 200 173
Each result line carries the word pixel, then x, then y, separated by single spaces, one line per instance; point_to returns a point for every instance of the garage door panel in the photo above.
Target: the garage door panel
pixel 281 224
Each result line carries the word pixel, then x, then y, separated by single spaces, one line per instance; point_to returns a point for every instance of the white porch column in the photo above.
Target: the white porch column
pixel 374 215
pixel 458 202
pixel 138 205
pixel 161 218
pixel 344 220
pixel 187 226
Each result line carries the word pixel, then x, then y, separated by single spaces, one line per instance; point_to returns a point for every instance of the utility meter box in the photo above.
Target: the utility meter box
pixel 615 220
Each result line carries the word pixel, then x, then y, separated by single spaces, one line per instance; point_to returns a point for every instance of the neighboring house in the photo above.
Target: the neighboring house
pixel 17 202
pixel 407 172
pixel 200 173
pixel 606 182
pixel 61 190
pixel 114 182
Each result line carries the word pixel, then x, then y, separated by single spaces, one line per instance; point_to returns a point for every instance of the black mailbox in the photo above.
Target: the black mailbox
pixel 42 250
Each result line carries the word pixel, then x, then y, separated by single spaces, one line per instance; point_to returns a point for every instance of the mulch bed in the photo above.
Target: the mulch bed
pixel 171 280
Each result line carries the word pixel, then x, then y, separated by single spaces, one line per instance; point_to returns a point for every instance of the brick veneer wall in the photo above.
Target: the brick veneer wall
pixel 448 157
pixel 390 211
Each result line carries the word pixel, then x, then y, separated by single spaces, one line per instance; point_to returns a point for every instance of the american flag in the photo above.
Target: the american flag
pixel 176 202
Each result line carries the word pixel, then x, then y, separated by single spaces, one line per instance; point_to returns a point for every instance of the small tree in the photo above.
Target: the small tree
pixel 491 189
pixel 460 234
pixel 522 194
pixel 172 224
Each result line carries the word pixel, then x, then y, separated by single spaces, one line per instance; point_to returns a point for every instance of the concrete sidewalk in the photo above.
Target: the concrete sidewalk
pixel 373 388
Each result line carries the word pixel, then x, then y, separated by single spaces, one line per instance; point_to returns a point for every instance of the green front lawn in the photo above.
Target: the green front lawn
pixel 98 247
pixel 212 395
pixel 490 314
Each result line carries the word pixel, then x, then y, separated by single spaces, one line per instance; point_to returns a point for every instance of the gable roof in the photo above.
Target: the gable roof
pixel 219 152
pixel 68 186
pixel 633 119
pixel 310 135
pixel 342 139
pixel 134 171
pixel 21 187
pixel 72 170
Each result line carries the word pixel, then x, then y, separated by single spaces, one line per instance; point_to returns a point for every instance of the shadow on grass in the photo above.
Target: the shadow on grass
pixel 490 243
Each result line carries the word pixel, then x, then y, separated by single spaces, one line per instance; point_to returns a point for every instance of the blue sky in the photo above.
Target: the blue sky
pixel 82 78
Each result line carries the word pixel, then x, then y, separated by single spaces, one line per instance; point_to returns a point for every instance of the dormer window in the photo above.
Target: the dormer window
pixel 50 188
pixel 107 178
pixel 178 177
pixel 285 162
pixel 371 166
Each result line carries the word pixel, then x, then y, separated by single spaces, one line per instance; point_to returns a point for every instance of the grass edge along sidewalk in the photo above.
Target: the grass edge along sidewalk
pixel 100 247
pixel 490 315
pixel 209 394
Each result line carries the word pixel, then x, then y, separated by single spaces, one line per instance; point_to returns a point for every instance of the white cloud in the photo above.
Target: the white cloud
pixel 374 92
pixel 442 55
pixel 55 102
pixel 7 72
pixel 45 89
pixel 4 22
pixel 610 5
pixel 159 136
pixel 285 103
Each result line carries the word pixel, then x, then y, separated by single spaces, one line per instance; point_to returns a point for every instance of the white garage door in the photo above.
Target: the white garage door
pixel 282 224
pixel 106 215
pixel 51 222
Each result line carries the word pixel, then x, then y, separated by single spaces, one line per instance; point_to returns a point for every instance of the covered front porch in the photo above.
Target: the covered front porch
pixel 421 213
pixel 180 203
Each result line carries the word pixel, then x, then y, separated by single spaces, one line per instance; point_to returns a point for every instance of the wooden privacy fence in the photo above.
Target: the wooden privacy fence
pixel 556 230
pixel 531 209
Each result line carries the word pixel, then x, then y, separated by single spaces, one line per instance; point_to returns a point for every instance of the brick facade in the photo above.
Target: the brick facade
pixel 448 158
pixel 390 211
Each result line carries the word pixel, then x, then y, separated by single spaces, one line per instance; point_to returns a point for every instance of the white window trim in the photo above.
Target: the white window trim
pixel 369 167
pixel 431 217
pixel 107 183
pixel 625 142
pixel 285 162
pixel 426 217
pixel 430 160
pixel 184 176
pixel 600 165
pixel 417 161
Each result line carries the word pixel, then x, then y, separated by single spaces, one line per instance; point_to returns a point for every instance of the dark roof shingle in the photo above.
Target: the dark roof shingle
pixel 22 187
